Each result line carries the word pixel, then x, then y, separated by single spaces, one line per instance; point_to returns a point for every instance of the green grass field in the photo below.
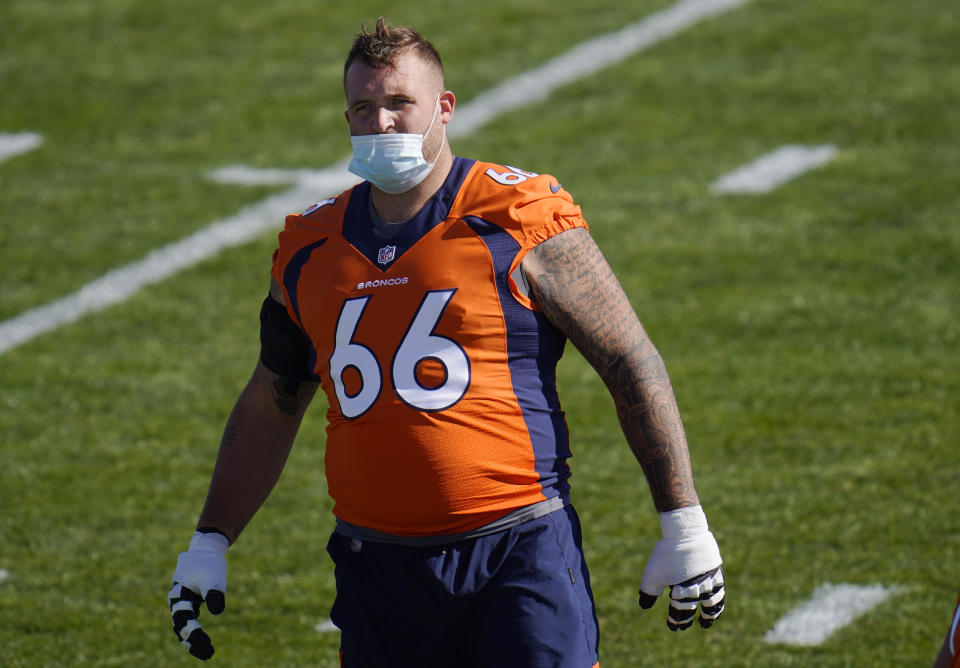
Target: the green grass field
pixel 811 332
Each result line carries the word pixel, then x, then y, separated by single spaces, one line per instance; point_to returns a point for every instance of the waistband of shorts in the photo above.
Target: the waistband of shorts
pixel 512 519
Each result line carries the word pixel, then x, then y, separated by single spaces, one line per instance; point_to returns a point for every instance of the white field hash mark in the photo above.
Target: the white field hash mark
pixel 830 608
pixel 524 89
pixel 12 144
pixel 774 169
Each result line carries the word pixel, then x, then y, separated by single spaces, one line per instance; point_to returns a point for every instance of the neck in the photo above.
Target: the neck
pixel 403 207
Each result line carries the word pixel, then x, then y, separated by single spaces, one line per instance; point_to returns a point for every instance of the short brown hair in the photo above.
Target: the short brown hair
pixel 383 46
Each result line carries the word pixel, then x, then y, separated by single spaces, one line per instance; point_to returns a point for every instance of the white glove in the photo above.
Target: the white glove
pixel 687 560
pixel 201 576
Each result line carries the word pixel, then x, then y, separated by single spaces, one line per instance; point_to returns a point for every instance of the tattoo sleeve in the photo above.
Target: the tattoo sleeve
pixel 290 397
pixel 574 287
pixel 229 435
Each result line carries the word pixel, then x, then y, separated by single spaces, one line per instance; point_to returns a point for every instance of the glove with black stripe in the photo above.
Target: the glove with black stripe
pixel 201 577
pixel 687 560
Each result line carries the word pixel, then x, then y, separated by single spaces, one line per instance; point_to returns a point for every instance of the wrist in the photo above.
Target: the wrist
pixel 209 541
pixel 688 521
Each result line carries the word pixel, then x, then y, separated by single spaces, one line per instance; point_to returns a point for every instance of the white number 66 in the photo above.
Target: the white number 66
pixel 420 343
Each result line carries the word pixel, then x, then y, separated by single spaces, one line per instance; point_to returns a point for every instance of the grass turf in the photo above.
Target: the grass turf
pixel 811 333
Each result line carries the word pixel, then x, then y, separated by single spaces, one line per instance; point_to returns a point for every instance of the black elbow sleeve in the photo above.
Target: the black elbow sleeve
pixel 284 348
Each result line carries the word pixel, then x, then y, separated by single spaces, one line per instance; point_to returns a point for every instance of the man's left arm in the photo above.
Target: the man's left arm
pixel 574 287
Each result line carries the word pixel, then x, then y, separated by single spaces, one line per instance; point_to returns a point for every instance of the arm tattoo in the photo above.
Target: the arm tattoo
pixel 575 288
pixel 286 398
pixel 229 435
pixel 290 396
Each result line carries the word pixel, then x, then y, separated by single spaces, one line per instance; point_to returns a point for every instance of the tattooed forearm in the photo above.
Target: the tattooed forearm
pixel 650 419
pixel 256 442
pixel 229 435
pixel 576 290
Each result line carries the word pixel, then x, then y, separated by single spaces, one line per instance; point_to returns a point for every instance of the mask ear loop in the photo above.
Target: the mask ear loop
pixel 429 127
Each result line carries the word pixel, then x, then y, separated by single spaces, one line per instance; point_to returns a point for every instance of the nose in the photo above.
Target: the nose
pixel 385 121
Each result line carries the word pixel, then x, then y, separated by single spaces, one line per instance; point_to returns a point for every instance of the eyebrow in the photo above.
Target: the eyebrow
pixel 393 97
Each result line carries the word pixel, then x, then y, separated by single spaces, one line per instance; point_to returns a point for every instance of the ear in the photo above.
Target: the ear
pixel 447 102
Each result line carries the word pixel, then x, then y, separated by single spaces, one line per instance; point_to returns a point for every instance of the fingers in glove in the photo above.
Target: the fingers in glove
pixel 711 606
pixel 706 590
pixel 680 615
pixel 216 602
pixel 198 644
pixel 712 595
pixel 700 588
pixel 647 600
pixel 184 610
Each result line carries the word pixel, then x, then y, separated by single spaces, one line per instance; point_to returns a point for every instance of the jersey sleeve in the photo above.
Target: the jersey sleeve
pixel 300 235
pixel 544 212
pixel 530 207
pixel 286 247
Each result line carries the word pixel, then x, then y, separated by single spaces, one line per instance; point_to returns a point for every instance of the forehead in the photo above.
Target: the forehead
pixel 409 75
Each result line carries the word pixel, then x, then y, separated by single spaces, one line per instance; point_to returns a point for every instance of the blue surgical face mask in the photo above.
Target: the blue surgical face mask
pixel 394 163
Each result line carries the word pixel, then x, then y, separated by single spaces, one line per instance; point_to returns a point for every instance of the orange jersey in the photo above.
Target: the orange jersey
pixel 440 374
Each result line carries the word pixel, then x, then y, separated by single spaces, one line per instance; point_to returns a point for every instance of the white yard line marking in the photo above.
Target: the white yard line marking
pixel 326 626
pixel 122 283
pixel 252 176
pixel 583 60
pixel 12 144
pixel 521 90
pixel 774 169
pixel 830 608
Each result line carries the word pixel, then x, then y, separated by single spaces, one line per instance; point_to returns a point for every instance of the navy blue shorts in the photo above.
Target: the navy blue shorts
pixel 519 598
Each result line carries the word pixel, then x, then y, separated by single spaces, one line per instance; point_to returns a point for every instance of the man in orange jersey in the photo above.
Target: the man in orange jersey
pixel 949 656
pixel 432 303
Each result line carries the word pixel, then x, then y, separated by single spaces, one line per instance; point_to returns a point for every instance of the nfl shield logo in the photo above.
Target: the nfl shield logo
pixel 386 254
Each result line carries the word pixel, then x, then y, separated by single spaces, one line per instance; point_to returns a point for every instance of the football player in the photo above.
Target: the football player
pixel 431 303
